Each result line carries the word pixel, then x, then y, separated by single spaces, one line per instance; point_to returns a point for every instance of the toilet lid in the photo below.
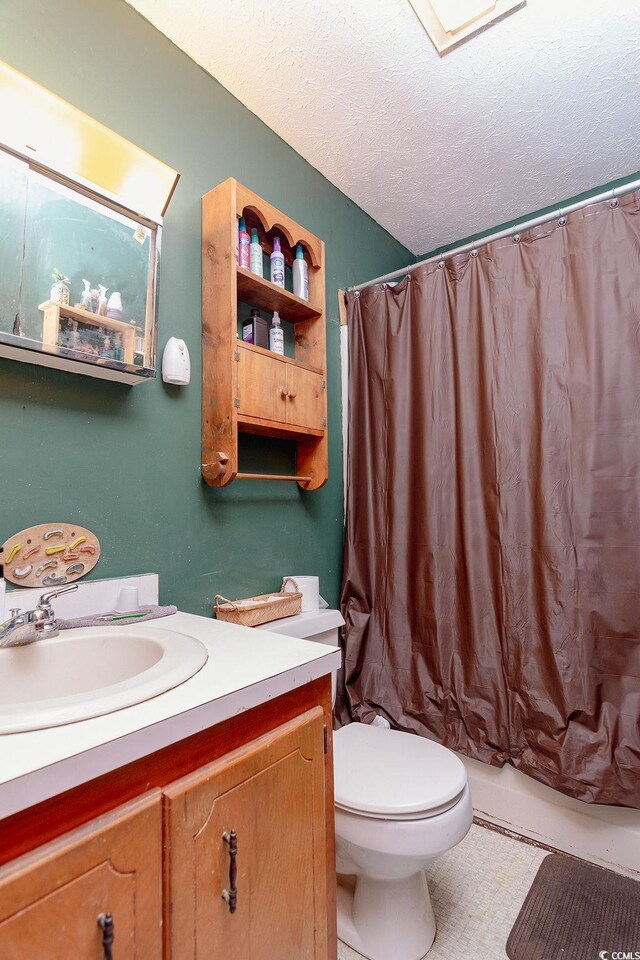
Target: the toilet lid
pixel 390 773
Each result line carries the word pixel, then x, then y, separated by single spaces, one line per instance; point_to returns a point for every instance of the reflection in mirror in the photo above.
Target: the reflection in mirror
pixel 77 275
pixel 13 205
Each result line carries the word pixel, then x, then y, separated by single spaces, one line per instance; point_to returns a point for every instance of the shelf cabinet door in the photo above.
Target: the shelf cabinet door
pixel 50 899
pixel 262 386
pixel 306 400
pixel 271 793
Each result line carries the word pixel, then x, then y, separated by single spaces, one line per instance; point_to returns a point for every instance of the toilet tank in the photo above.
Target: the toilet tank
pixel 319 626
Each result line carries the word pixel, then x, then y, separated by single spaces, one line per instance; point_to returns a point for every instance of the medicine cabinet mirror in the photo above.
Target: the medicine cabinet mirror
pixel 77 276
pixel 80 223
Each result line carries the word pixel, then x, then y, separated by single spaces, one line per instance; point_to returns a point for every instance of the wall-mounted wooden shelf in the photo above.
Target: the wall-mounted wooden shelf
pixel 247 389
pixel 265 295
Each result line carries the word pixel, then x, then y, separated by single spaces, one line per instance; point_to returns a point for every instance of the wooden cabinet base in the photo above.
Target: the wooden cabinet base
pixel 246 872
pixel 234 738
pixel 51 900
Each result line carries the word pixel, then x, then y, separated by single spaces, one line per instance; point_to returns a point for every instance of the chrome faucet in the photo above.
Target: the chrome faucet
pixel 33 624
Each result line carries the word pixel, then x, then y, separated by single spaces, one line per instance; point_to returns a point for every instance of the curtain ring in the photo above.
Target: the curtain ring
pixel 356 293
pixel 440 264
pixel 562 220
pixel 614 202
pixel 474 253
pixel 516 238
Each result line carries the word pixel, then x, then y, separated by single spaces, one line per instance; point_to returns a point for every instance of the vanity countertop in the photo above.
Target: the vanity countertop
pixel 246 668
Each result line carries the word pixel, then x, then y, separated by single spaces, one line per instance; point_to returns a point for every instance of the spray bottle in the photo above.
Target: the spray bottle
pixel 255 254
pixel 300 274
pixel 85 296
pixel 244 242
pixel 102 300
pixel 277 264
pixel 276 335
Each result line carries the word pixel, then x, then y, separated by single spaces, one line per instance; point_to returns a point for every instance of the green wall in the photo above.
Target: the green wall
pixel 126 461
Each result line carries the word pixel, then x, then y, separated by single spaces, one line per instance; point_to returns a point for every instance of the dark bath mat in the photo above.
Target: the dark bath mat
pixel 575 911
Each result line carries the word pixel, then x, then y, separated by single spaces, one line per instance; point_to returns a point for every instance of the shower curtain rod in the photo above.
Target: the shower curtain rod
pixel 611 194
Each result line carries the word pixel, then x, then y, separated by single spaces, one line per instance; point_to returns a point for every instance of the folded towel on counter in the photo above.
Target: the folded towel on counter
pixel 115 619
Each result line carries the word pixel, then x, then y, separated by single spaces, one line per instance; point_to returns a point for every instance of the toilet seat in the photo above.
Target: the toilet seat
pixel 392 775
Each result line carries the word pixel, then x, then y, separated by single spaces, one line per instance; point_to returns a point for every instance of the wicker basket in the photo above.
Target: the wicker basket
pixel 268 606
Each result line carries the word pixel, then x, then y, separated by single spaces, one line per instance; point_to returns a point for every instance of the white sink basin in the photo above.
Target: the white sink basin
pixel 90 672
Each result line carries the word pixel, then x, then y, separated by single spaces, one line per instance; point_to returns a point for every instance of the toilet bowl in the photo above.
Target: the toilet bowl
pixel 400 802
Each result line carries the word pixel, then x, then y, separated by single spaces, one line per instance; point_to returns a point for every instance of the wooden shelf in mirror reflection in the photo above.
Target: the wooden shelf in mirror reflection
pixel 54 312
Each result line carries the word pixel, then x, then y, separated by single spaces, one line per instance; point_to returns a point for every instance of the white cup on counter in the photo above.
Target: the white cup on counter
pixel 128 600
pixel 309 587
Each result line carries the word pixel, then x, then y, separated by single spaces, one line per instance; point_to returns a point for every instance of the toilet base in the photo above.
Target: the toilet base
pixel 386 919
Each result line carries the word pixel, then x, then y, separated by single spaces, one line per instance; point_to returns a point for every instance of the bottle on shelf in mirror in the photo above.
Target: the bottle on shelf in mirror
pixel 114 306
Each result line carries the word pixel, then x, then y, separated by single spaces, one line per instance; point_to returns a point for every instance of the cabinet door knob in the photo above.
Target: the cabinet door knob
pixel 284 392
pixel 230 896
pixel 292 394
pixel 105 922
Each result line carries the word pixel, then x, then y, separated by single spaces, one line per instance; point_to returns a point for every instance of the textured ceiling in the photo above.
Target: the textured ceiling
pixel 538 108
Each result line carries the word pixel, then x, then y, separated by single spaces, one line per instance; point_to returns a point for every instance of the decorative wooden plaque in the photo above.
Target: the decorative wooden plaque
pixel 49 555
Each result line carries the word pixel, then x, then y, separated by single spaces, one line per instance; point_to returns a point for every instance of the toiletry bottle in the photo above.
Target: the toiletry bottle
pixel 102 300
pixel 118 349
pixel 114 306
pixel 277 264
pixel 256 330
pixel 244 242
pixel 276 335
pixel 300 274
pixel 248 328
pixel 85 298
pixel 255 254
pixel 75 342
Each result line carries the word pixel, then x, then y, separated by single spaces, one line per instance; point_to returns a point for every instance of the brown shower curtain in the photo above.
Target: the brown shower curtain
pixel 492 561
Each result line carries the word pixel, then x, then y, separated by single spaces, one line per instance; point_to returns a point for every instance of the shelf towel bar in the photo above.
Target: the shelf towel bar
pixel 271 476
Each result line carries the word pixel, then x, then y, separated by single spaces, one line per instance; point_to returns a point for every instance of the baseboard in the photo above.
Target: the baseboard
pixel 608 836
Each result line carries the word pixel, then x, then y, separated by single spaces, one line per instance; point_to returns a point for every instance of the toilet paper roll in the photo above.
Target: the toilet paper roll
pixel 309 587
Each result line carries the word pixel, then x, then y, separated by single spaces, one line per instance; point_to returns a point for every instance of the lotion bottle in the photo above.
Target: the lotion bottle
pixel 276 335
pixel 300 274
pixel 255 254
pixel 244 242
pixel 277 264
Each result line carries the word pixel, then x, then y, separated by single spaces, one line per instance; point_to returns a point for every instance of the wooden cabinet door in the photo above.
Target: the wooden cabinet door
pixel 306 401
pixel 50 900
pixel 262 386
pixel 271 793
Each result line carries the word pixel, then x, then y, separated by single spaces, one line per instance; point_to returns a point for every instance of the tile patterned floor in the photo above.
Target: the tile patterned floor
pixel 477 890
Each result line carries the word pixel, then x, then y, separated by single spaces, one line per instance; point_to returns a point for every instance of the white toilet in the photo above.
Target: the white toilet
pixel 401 801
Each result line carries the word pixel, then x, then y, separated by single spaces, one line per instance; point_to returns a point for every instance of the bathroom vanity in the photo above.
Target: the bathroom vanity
pixel 195 824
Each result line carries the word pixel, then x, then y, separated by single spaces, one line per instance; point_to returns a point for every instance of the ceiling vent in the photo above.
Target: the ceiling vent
pixel 450 22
